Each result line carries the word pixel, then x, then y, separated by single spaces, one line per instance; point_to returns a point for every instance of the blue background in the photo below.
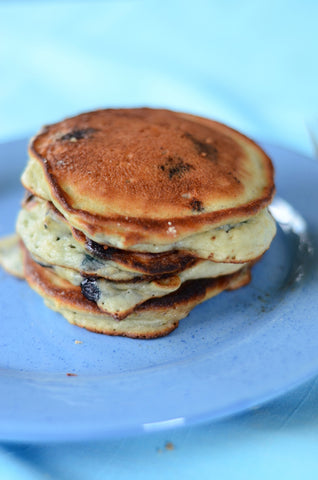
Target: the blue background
pixel 251 64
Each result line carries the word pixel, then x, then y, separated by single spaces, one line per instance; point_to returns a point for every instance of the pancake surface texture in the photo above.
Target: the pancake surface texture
pixel 134 176
pixel 134 216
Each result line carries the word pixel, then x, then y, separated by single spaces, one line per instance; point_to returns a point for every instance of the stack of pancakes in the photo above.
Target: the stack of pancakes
pixel 134 216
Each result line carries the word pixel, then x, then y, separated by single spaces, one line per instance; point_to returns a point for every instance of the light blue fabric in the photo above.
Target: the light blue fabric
pixel 276 441
pixel 252 64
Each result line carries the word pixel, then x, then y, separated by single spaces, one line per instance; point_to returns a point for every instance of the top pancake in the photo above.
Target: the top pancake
pixel 144 175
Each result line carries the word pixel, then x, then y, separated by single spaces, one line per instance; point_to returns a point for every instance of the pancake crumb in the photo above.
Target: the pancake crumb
pixel 172 230
pixel 169 446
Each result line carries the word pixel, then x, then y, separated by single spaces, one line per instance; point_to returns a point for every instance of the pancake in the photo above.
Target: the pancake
pixel 154 177
pixel 154 318
pixel 135 216
pixel 51 241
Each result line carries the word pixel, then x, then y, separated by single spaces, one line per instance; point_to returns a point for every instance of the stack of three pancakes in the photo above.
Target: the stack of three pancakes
pixel 134 216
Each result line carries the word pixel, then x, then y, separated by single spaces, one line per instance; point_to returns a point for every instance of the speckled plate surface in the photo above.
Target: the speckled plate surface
pixel 231 353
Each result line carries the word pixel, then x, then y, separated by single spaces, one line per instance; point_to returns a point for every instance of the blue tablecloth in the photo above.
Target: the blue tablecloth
pixel 276 441
pixel 251 64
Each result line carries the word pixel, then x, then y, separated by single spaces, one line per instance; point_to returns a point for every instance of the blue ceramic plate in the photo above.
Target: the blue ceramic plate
pixel 231 353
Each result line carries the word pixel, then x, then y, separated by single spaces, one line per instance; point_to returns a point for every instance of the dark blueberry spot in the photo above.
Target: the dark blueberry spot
pixel 176 167
pixel 78 134
pixel 57 239
pixel 203 148
pixel 196 205
pixel 90 289
pixel 91 264
pixel 45 226
pixel 97 250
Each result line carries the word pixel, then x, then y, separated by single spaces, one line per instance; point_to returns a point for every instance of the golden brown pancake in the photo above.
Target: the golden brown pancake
pixel 154 318
pixel 132 176
pixel 137 215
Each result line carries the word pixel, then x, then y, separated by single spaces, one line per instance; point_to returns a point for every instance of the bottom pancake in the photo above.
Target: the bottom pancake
pixel 154 318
